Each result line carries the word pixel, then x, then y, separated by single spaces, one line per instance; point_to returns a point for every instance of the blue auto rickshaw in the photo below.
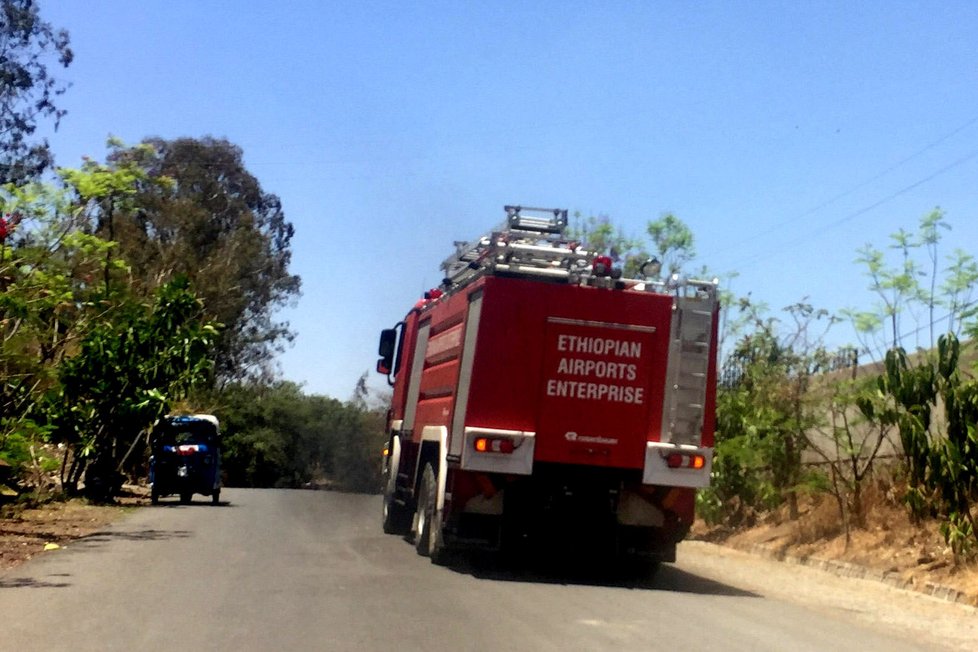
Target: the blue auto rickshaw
pixel 185 457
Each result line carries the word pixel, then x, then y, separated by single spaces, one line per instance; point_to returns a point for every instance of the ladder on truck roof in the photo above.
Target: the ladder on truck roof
pixel 530 242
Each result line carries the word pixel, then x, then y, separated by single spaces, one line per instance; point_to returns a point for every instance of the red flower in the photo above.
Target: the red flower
pixel 7 224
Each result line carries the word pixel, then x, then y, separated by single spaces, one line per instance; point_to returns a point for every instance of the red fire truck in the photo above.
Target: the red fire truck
pixel 538 396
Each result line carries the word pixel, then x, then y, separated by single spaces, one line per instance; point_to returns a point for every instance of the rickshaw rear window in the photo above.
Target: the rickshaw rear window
pixel 190 433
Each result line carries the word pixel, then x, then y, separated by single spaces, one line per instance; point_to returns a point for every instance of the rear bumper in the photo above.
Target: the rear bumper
pixel 589 509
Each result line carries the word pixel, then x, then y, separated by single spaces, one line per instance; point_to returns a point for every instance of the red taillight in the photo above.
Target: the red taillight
pixel 685 461
pixel 493 445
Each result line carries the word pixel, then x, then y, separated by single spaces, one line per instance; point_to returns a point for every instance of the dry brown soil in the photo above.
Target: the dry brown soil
pixel 24 533
pixel 889 546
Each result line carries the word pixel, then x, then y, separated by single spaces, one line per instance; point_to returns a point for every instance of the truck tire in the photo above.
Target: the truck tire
pixel 396 517
pixel 428 541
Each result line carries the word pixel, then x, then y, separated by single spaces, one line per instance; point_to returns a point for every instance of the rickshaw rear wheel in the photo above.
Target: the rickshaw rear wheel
pixel 216 497
pixel 185 498
pixel 154 498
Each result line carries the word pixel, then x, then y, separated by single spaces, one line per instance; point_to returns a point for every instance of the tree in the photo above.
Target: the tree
pixel 957 288
pixel 908 286
pixel 102 191
pixel 277 436
pixel 924 396
pixel 27 89
pixel 47 300
pixel 672 243
pixel 600 235
pixel 935 409
pixel 848 442
pixel 895 286
pixel 929 238
pixel 772 397
pixel 274 435
pixel 50 295
pixel 131 365
pixel 199 212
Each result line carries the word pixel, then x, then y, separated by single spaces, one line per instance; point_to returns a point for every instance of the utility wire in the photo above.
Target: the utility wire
pixel 876 177
pixel 919 329
pixel 893 195
pixel 862 211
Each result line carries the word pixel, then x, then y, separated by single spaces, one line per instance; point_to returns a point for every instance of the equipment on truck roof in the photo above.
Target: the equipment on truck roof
pixel 527 244
pixel 536 245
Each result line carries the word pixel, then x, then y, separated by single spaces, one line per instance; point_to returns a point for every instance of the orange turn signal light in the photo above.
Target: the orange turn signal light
pixel 493 445
pixel 685 461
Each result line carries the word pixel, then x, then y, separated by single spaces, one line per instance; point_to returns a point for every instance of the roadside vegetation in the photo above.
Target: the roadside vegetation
pixel 894 414
pixel 141 285
pixel 899 410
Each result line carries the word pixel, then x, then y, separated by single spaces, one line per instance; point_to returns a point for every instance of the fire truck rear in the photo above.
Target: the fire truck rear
pixel 541 399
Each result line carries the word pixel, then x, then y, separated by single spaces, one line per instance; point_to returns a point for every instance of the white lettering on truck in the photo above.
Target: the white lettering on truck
pixel 597 368
pixel 599 346
pixel 595 391
pixel 587 370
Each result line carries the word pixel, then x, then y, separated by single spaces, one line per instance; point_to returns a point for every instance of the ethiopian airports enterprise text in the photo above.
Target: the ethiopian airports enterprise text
pixel 605 370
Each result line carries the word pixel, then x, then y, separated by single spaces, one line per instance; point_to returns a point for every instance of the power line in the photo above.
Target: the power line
pixel 859 186
pixel 880 175
pixel 919 329
pixel 874 205
pixel 893 195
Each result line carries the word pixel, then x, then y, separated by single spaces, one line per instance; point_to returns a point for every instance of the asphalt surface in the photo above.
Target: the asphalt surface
pixel 293 570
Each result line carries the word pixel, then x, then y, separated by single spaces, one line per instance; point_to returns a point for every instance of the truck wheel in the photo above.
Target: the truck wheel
pixel 428 541
pixel 397 518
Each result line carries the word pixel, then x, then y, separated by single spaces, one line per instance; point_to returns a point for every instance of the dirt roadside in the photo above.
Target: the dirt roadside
pixel 28 532
pixel 889 548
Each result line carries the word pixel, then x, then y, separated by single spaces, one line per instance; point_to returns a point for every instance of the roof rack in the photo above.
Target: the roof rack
pixel 545 220
pixel 529 242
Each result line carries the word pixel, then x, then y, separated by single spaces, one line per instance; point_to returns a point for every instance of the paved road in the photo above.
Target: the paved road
pixel 288 570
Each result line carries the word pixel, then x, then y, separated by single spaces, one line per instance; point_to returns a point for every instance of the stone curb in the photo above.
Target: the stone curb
pixel 847 569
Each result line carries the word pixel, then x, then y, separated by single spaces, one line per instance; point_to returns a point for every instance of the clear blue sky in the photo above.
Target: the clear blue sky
pixel 786 134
